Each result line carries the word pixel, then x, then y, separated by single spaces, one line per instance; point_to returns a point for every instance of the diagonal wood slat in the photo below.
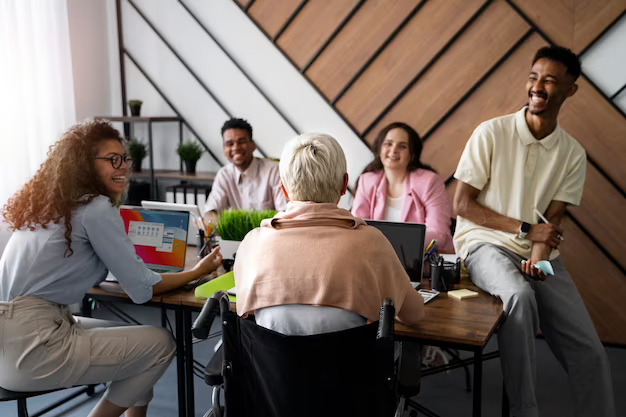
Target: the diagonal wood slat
pixel 353 46
pixel 599 128
pixel 313 25
pixel 599 282
pixel 572 23
pixel 418 42
pixel 444 84
pixel 601 213
pixel 501 94
pixel 271 15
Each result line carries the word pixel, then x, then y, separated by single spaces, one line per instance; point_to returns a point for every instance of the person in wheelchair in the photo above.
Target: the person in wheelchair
pixel 315 268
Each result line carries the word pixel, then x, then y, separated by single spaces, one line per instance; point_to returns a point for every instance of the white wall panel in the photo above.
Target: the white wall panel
pixel 605 62
pixel 284 85
pixel 161 65
pixel 218 72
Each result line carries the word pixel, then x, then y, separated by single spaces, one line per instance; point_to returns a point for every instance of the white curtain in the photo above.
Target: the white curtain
pixel 36 86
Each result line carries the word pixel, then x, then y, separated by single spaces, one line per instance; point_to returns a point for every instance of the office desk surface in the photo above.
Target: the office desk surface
pixel 469 322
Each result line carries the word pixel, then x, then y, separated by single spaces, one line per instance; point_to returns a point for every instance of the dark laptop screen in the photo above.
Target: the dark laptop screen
pixel 407 240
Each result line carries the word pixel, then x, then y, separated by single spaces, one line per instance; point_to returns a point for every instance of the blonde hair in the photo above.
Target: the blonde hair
pixel 312 168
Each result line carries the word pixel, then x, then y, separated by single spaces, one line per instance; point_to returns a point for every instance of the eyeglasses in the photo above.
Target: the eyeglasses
pixel 116 160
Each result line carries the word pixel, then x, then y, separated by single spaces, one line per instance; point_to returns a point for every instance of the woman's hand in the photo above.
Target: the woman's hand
pixel 210 262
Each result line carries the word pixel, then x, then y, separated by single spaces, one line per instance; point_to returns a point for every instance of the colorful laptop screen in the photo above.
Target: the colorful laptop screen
pixel 160 236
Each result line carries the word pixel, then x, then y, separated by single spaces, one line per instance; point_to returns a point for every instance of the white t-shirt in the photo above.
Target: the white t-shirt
pixel 306 320
pixel 516 173
pixel 393 209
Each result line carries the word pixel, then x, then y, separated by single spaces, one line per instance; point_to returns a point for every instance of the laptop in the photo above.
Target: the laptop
pixel 407 240
pixel 159 236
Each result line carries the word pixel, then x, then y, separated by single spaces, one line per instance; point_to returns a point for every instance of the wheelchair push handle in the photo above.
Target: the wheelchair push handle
pixel 387 319
pixel 202 325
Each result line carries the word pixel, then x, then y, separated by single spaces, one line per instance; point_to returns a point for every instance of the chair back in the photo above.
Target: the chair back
pixel 350 372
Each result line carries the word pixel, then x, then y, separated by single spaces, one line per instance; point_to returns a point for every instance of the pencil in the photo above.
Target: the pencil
pixel 544 220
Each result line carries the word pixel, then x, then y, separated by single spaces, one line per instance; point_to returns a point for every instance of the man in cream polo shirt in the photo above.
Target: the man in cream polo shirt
pixel 511 166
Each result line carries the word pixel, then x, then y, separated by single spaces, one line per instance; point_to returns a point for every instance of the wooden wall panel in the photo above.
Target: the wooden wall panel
pixel 601 284
pixel 595 245
pixel 356 43
pixel 589 118
pixel 312 27
pixel 555 18
pixel 501 94
pixel 443 85
pixel 592 17
pixel 424 36
pixel 572 23
pixel 601 213
pixel 271 15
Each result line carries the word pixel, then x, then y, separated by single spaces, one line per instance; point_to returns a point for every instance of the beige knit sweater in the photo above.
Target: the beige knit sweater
pixel 319 254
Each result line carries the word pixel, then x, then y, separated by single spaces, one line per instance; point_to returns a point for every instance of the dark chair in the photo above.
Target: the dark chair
pixel 21 397
pixel 264 373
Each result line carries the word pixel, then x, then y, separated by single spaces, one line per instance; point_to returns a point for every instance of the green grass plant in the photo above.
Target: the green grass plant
pixel 235 224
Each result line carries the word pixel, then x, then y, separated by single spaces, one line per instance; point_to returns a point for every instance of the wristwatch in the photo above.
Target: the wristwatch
pixel 524 229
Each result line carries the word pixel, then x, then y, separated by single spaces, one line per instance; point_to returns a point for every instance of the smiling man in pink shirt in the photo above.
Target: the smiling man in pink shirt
pixel 247 182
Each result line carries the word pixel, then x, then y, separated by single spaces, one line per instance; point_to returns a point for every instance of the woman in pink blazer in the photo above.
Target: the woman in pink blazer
pixel 396 186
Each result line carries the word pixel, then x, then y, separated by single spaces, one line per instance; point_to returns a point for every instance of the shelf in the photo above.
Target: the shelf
pixel 139 119
pixel 175 175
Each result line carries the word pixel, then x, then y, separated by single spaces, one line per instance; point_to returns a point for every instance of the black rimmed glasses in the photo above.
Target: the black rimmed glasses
pixel 116 160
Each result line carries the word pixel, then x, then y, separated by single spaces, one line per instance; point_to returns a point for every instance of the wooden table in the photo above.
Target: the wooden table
pixel 466 325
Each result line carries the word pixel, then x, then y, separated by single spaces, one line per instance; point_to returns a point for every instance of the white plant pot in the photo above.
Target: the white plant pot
pixel 228 248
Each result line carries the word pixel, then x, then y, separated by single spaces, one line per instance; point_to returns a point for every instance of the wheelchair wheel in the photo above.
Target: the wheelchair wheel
pixel 212 413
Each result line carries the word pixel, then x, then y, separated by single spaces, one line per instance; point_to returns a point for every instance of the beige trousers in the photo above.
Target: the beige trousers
pixel 42 346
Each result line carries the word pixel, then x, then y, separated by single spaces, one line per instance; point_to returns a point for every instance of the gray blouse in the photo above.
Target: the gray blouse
pixel 33 262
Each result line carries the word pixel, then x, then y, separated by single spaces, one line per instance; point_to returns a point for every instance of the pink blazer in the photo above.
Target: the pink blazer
pixel 426 201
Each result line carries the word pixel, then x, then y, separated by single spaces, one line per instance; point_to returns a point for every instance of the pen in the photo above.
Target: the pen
pixel 430 247
pixel 544 219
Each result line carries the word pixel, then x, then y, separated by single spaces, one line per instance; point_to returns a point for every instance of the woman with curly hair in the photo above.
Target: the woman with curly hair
pixel 67 235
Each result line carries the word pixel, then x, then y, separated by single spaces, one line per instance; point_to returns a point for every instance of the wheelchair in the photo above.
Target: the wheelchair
pixel 263 373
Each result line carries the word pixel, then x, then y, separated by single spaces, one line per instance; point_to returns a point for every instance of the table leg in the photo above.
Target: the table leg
pixel 505 401
pixel 191 406
pixel 180 362
pixel 87 306
pixel 478 383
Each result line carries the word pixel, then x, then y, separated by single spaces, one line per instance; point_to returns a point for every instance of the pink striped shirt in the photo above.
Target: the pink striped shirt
pixel 256 188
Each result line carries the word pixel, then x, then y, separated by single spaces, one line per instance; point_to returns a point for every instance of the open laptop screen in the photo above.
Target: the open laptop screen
pixel 160 236
pixel 407 240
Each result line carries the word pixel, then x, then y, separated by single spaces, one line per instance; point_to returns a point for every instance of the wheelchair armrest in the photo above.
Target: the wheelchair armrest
pixel 202 326
pixel 213 371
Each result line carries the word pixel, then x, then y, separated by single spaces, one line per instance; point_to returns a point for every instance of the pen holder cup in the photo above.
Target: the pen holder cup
pixel 443 278
pixel 203 246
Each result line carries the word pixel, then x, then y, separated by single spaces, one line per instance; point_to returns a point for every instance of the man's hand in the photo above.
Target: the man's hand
pixel 548 234
pixel 531 271
pixel 540 251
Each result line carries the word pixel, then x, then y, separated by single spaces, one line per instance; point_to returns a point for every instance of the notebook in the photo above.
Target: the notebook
pixel 407 240
pixel 159 236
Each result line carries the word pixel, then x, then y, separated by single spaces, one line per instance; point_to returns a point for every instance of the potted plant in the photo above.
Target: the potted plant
pixel 135 107
pixel 137 150
pixel 233 225
pixel 190 152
